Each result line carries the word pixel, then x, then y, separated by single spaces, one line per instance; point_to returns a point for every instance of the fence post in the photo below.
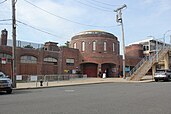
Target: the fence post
pixel 36 83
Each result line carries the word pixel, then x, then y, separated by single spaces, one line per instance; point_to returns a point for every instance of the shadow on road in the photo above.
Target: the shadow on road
pixel 19 92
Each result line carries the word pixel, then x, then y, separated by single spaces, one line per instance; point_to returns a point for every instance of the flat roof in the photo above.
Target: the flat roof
pixel 146 40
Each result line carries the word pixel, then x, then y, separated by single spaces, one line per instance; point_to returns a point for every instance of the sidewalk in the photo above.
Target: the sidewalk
pixel 80 81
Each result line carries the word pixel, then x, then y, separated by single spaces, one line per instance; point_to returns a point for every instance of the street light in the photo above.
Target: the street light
pixel 165 35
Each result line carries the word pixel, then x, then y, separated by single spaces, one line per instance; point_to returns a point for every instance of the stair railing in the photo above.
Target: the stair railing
pixel 151 58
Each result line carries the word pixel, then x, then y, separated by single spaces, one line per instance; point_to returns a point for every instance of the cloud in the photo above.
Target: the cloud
pixel 40 19
pixel 148 1
pixel 158 6
pixel 165 6
pixel 146 17
pixel 65 9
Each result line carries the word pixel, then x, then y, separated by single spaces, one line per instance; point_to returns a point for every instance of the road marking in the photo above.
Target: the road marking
pixel 70 90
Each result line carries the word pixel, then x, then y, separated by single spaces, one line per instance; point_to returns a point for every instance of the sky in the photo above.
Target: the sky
pixel 41 21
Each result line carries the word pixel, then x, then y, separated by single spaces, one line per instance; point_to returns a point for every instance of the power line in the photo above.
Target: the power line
pixel 3 2
pixel 104 3
pixel 5 24
pixel 37 28
pixel 98 5
pixel 5 19
pixel 66 18
pixel 99 8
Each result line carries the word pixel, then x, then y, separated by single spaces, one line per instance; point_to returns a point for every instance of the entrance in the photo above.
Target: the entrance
pixel 109 69
pixel 90 69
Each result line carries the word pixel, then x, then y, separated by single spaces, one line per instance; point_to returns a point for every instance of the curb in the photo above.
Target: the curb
pixel 78 85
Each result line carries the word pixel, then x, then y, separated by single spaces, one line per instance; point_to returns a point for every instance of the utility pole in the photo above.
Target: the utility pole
pixel 14 43
pixel 120 20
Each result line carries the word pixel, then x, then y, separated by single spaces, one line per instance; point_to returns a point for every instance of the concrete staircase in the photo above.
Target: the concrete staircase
pixel 145 64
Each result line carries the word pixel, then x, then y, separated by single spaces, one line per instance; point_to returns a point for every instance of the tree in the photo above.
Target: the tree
pixel 67 44
pixel 28 46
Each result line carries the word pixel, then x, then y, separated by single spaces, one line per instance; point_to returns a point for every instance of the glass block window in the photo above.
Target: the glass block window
pixel 105 44
pixel 94 46
pixel 50 60
pixel 28 59
pixel 113 47
pixel 83 46
pixel 70 62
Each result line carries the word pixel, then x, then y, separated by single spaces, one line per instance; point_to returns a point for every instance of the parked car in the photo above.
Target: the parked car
pixel 5 83
pixel 162 74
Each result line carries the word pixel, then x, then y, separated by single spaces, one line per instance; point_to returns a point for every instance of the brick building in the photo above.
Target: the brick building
pixel 90 52
pixel 134 54
pixel 50 59
pixel 99 53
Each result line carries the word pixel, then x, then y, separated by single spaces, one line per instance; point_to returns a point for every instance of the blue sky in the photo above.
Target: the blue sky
pixel 65 18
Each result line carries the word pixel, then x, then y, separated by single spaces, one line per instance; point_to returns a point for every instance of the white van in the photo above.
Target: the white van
pixel 162 74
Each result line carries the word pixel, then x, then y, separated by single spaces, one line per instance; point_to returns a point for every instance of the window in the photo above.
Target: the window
pixel 113 47
pixel 28 59
pixel 70 62
pixel 104 46
pixel 7 56
pixel 75 45
pixel 94 46
pixel 51 60
pixel 146 48
pixel 118 48
pixel 83 46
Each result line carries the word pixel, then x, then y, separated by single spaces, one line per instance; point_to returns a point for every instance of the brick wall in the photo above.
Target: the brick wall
pixel 41 67
pixel 134 54
pixel 99 55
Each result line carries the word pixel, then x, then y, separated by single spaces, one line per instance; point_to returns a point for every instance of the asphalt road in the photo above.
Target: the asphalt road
pixel 111 98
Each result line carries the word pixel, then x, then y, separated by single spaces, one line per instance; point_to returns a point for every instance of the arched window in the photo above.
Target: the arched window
pixel 75 45
pixel 104 46
pixel 28 59
pixel 94 46
pixel 83 46
pixel 113 47
pixel 51 60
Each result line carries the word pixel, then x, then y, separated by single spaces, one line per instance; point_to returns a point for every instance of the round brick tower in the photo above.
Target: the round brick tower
pixel 134 54
pixel 134 50
pixel 99 52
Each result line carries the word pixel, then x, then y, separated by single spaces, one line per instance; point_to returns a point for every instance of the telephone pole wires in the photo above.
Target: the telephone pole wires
pixel 120 21
pixel 14 43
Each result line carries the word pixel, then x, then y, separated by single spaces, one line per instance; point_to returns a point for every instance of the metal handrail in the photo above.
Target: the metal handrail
pixel 138 65
pixel 147 58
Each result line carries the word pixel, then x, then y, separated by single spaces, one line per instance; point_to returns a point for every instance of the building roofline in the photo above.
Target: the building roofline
pixel 93 33
pixel 147 40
